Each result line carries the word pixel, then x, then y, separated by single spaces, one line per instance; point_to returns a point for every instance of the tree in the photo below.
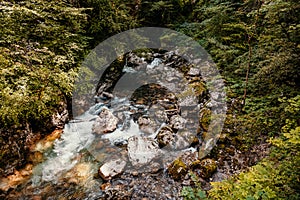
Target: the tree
pixel 41 45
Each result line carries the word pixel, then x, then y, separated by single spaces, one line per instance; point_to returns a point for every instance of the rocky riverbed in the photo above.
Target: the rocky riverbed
pixel 139 146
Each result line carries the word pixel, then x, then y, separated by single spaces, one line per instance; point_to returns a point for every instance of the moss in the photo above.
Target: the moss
pixel 205 167
pixel 204 118
pixel 177 169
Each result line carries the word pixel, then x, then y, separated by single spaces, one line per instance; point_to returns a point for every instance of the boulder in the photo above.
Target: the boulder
pixel 80 174
pixel 184 139
pixel 141 150
pixel 106 122
pixel 177 169
pixel 157 112
pixel 112 168
pixel 205 168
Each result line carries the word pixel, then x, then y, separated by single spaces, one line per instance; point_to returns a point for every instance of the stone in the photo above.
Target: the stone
pixel 218 177
pixel 105 186
pixel 141 150
pixel 167 104
pixel 207 167
pixel 80 174
pixel 157 112
pixel 19 177
pixel 153 167
pixel 112 168
pixel 147 125
pixel 106 122
pixel 61 116
pixel 165 136
pixel 177 169
pixel 46 143
pixel 177 122
pixel 204 118
pixel 194 71
pixel 183 139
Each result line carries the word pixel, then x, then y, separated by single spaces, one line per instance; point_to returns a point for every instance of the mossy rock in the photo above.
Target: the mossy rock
pixel 177 169
pixel 200 88
pixel 206 167
pixel 205 118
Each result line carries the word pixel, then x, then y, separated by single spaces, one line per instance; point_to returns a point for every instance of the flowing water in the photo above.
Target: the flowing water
pixel 70 167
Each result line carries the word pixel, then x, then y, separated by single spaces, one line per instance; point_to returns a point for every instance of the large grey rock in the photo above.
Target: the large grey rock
pixel 141 150
pixel 105 123
pixel 112 169
pixel 183 139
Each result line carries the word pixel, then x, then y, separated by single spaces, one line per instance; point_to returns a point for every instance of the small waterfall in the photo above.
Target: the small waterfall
pixel 77 135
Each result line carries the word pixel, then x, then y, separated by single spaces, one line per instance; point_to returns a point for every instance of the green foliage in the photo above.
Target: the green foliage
pixel 43 42
pixel 107 18
pixel 164 13
pixel 40 47
pixel 279 47
pixel 277 177
pixel 190 193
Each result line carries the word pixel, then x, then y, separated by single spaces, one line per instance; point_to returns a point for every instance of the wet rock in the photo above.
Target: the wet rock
pixel 149 94
pixel 134 59
pixel 80 174
pixel 147 125
pixel 105 123
pixel 141 150
pixel 168 104
pixel 177 122
pixel 36 157
pixel 19 177
pixel 46 143
pixel 172 112
pixel 177 169
pixel 59 119
pixel 112 169
pixel 107 95
pixel 165 136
